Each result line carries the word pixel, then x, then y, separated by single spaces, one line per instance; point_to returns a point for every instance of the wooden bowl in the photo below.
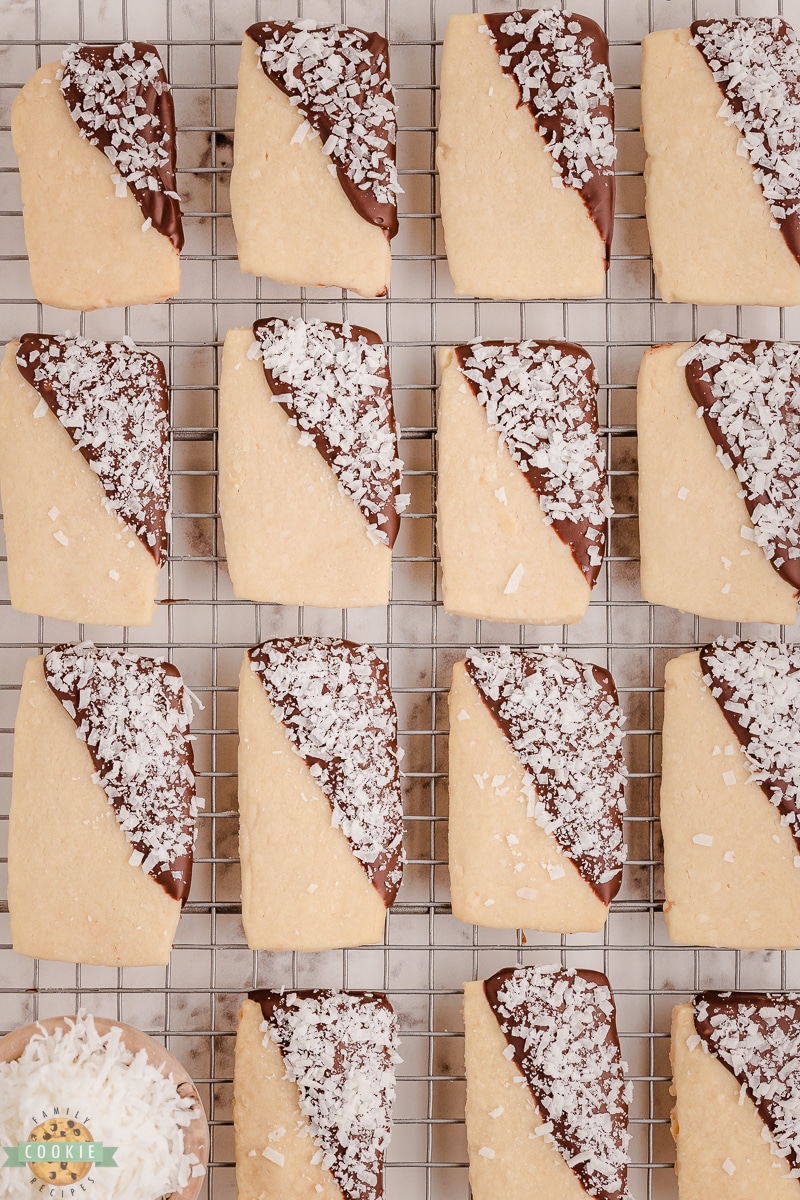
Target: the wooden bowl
pixel 196 1136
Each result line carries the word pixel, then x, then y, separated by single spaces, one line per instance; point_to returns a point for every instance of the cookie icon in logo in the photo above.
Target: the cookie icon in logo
pixel 60 1129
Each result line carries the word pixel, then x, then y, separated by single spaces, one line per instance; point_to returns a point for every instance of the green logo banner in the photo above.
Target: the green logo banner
pixel 25 1154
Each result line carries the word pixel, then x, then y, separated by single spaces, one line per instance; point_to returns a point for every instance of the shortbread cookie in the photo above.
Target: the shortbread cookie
pixel 526 154
pixel 729 796
pixel 85 533
pixel 309 473
pixel 536 791
pixel 313 1089
pixel 95 139
pixel 314 183
pixel 724 230
pixel 546 1097
pixel 736 1079
pixel 522 499
pixel 103 804
pixel 718 496
pixel 321 819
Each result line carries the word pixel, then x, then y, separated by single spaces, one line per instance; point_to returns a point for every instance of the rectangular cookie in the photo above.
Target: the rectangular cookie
pixel 729 796
pixel 95 139
pixel 526 174
pixel 724 230
pixel 719 534
pixel 320 813
pixel 103 808
pixel 547 1102
pixel 735 1082
pixel 522 498
pixel 86 533
pixel 313 1089
pixel 309 473
pixel 314 183
pixel 536 792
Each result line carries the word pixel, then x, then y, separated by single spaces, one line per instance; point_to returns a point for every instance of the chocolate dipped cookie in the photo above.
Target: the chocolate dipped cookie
pixel 103 801
pixel 86 533
pixel 526 154
pixel 314 184
pixel 722 131
pixel 522 498
pixel 95 139
pixel 321 819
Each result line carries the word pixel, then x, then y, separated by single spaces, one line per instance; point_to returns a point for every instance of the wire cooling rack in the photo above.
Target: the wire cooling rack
pixel 192 1004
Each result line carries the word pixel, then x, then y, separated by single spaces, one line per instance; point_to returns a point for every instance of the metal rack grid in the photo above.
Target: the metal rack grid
pixel 193 1002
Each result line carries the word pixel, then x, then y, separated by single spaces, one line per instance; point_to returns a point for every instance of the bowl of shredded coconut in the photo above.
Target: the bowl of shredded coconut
pixel 124 1114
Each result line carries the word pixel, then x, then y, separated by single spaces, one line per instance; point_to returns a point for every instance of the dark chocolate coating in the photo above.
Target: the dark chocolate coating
pixel 548 786
pixel 787 802
pixel 702 395
pixel 178 889
pixel 598 193
pixel 386 871
pixel 363 200
pixel 788 1023
pixel 567 1144
pixel 270 1001
pixel 155 519
pixel 572 533
pixel 164 211
pixel 391 524
pixel 790 224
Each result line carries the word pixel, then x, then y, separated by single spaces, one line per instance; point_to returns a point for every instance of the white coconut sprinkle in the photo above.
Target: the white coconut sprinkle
pixel 560 1030
pixel 61 537
pixel 497 1112
pixel 116 113
pixel 127 1102
pixel 486 1152
pixel 274 1156
pixel 333 381
pixel 757 685
pixel 683 493
pixel 338 78
pixel 756 62
pixel 340 1050
pixel 750 395
pixel 53 513
pixel 730 857
pixel 111 398
pixel 566 728
pixel 703 839
pixel 728 1167
pixel 514 580
pixel 757 1037
pixel 559 74
pixel 541 399
pixel 527 893
pixel 134 716
pixel 332 698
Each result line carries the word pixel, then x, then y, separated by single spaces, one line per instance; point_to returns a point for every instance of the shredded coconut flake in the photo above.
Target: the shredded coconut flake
pixel 112 400
pixel 541 398
pixel 134 716
pixel 120 100
pixel 756 62
pixel 563 721
pixel 333 699
pixel 333 381
pixel 757 1037
pixel 757 686
pixel 568 89
pixel 561 1034
pixel 749 394
pixel 338 78
pixel 340 1050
